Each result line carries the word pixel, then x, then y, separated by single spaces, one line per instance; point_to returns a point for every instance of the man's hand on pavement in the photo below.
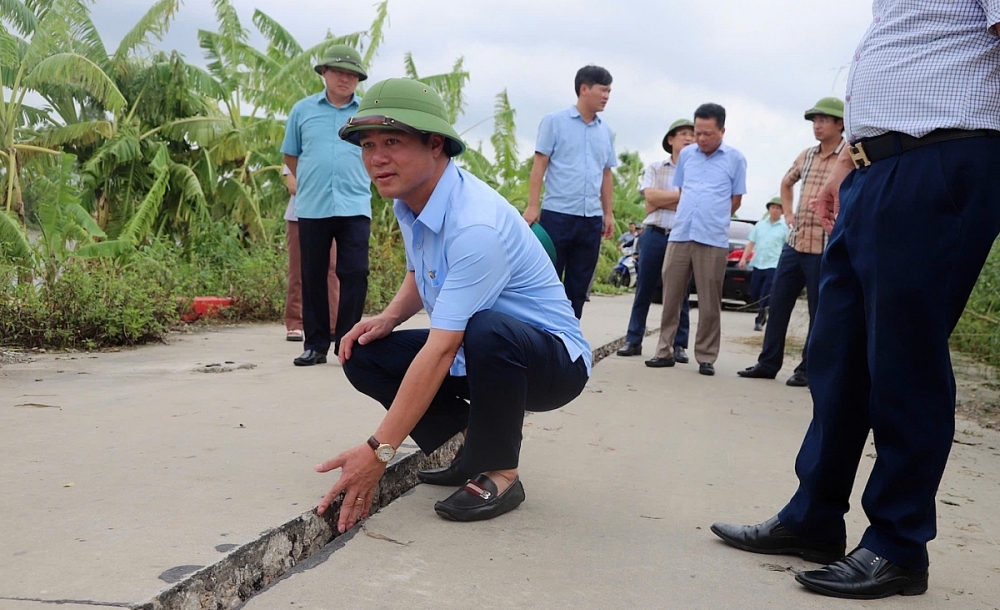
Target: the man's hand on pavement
pixel 364 332
pixel 360 474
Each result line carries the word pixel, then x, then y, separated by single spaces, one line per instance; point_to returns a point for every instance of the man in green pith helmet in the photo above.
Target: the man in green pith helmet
pixel 503 338
pixel 764 246
pixel 333 202
pixel 657 188
pixel 799 262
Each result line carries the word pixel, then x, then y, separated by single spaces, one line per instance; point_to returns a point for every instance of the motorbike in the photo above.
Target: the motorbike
pixel 626 270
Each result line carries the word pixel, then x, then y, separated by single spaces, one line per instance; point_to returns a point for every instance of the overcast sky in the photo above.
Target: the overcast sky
pixel 766 61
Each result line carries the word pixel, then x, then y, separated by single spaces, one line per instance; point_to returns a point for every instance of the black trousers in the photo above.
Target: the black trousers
pixel 578 245
pixel 511 366
pixel 316 236
pixel 796 270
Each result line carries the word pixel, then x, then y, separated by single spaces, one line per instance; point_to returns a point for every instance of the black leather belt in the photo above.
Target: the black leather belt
pixel 656 229
pixel 866 152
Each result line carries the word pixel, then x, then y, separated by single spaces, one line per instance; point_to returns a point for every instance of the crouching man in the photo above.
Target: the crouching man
pixel 502 340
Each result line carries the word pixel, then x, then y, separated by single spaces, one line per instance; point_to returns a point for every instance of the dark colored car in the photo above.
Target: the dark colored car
pixel 736 285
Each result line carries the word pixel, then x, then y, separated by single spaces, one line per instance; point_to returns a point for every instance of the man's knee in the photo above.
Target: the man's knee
pixel 359 367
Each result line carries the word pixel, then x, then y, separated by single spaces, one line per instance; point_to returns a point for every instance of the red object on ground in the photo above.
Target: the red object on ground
pixel 206 306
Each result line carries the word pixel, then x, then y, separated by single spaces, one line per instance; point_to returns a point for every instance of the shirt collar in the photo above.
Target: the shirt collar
pixel 836 151
pixel 432 216
pixel 723 148
pixel 321 98
pixel 573 112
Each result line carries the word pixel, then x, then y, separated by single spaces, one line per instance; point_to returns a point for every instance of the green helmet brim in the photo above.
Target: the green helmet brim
pixel 416 119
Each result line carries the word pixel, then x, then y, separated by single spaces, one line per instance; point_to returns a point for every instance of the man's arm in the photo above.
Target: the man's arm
pixel 291 184
pixel 293 164
pixel 659 199
pixel 827 203
pixel 787 203
pixel 607 200
pixel 403 306
pixel 747 252
pixel 538 167
pixel 361 470
pixel 737 200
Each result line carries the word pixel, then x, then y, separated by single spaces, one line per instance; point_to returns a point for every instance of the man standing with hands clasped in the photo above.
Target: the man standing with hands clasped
pixel 332 203
pixel 920 175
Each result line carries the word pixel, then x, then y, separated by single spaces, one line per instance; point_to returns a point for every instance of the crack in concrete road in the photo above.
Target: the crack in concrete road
pixel 63 602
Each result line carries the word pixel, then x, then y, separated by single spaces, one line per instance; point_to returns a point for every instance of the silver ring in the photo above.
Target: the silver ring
pixel 359 500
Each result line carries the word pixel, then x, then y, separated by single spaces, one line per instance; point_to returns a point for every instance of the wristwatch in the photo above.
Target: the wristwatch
pixel 383 452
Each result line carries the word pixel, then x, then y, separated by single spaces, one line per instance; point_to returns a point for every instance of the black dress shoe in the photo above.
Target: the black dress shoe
pixel 659 363
pixel 706 368
pixel 309 358
pixel 478 500
pixel 680 355
pixel 772 538
pixel 864 575
pixel 630 349
pixel 756 372
pixel 798 380
pixel 451 475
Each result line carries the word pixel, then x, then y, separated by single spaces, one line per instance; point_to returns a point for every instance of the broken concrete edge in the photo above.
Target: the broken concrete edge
pixel 249 569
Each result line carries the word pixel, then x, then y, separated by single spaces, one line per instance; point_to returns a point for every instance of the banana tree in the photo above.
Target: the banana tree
pixel 36 56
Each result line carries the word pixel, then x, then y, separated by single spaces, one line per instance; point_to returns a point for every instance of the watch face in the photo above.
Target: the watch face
pixel 384 453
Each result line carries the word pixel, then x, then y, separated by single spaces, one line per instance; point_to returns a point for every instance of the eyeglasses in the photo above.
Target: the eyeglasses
pixel 378 120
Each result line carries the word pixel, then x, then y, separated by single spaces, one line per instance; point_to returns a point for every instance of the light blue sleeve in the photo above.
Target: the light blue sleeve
pixel 478 271
pixel 292 145
pixel 739 185
pixel 753 232
pixel 546 142
pixel 679 172
pixel 612 157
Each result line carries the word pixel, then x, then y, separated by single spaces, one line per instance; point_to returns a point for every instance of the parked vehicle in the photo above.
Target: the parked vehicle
pixel 736 284
pixel 626 271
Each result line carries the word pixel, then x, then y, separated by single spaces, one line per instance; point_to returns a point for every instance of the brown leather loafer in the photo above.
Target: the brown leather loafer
pixel 772 538
pixel 864 575
pixel 479 500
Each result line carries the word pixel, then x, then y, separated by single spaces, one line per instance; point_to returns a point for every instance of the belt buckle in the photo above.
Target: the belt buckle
pixel 858 155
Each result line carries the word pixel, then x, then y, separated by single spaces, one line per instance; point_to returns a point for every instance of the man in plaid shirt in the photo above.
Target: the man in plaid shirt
pixel 798 266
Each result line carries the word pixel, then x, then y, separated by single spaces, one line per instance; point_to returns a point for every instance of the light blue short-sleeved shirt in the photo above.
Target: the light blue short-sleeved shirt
pixel 331 178
pixel 707 185
pixel 578 155
pixel 470 250
pixel 768 239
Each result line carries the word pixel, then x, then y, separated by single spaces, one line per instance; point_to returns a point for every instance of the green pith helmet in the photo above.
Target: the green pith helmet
pixel 343 57
pixel 830 106
pixel 673 129
pixel 406 105
pixel 543 236
pixel 775 201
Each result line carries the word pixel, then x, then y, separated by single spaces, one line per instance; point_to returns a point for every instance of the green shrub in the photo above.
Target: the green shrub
pixel 978 331
pixel 91 304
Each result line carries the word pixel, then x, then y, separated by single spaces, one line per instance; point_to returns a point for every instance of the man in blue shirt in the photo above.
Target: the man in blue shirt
pixel 503 337
pixel 574 153
pixel 712 180
pixel 764 244
pixel 333 202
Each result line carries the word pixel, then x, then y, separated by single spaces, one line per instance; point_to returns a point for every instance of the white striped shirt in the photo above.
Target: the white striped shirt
pixel 925 65
pixel 659 175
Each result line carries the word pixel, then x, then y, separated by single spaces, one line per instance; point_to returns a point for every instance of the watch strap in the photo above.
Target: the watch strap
pixel 373 443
